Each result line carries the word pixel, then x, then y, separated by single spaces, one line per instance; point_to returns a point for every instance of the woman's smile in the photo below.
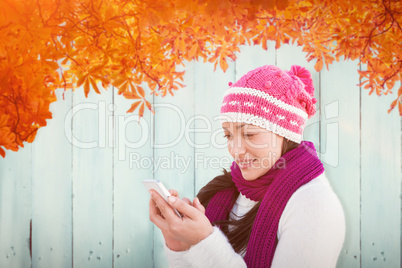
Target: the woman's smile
pixel 244 164
pixel 253 148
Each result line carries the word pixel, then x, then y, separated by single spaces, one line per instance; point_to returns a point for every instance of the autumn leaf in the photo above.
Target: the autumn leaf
pixel 223 64
pixel 86 87
pixel 149 106
pixel 141 111
pixel 133 106
pixel 81 80
pixel 93 83
pixel 141 91
pixel 400 108
pixel 318 65
pixel 131 95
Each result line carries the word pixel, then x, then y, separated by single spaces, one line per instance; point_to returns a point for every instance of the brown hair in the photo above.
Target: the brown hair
pixel 240 234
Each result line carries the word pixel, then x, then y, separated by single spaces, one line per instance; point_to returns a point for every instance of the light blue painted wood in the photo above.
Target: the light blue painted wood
pixel 110 205
pixel 51 190
pixel 340 148
pixel 92 181
pixel 173 153
pixel 251 57
pixel 133 232
pixel 380 181
pixel 15 207
pixel 211 153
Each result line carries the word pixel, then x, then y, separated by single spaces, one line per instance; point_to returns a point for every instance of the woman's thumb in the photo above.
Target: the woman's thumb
pixel 197 204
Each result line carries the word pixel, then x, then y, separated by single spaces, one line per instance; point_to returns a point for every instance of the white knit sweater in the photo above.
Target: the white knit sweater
pixel 310 234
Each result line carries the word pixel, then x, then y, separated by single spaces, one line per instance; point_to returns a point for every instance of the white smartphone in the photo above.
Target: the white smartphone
pixel 158 186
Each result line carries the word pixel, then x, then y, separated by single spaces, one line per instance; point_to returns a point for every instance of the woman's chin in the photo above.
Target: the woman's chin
pixel 248 175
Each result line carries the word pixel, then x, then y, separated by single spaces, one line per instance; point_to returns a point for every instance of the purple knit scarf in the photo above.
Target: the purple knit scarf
pixel 292 170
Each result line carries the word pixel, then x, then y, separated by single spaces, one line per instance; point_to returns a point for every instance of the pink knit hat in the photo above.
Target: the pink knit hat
pixel 276 100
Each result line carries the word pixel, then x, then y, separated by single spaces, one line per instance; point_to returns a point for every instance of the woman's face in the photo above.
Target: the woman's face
pixel 254 149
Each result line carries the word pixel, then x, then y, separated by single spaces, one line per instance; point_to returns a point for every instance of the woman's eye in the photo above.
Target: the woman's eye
pixel 248 135
pixel 226 136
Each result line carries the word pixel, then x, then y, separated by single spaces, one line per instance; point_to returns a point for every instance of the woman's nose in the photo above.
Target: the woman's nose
pixel 238 146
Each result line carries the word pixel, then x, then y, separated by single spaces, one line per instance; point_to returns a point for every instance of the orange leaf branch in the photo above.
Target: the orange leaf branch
pixel 129 44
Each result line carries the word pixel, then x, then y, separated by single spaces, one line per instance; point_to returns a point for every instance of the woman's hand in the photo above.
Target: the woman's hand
pixel 171 243
pixel 179 234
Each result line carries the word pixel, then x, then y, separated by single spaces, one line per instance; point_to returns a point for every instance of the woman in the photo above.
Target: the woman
pixel 275 208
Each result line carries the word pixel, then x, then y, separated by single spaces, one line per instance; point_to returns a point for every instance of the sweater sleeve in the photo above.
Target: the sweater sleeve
pixel 213 251
pixel 311 230
pixel 175 258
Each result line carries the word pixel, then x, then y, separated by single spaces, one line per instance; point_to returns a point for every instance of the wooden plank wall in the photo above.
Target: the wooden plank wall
pixel 74 197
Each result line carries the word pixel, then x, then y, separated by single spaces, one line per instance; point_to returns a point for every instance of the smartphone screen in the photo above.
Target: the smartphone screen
pixel 160 188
